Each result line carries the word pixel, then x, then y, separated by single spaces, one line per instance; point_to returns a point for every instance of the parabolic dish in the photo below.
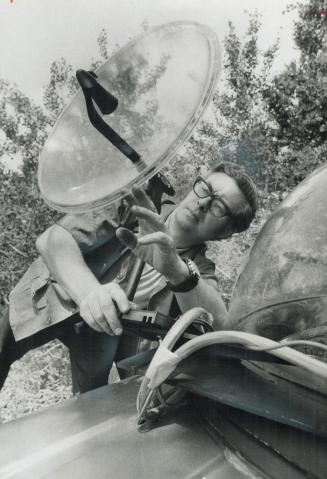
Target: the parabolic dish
pixel 163 81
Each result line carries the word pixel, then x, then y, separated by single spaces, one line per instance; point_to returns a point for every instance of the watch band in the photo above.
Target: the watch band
pixel 190 282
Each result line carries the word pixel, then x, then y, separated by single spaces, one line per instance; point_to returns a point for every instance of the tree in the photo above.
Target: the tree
pixel 240 126
pixel 22 212
pixel 297 103
pixel 275 126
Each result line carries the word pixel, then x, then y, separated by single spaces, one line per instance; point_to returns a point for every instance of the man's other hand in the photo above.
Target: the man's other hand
pixel 153 243
pixel 101 308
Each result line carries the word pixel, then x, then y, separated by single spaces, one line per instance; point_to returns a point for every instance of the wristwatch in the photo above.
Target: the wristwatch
pixel 190 282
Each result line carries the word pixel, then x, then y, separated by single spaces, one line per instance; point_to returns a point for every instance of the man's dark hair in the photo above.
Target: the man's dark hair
pixel 246 212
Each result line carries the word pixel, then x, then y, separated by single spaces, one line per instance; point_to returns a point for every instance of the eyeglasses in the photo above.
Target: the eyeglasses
pixel 218 206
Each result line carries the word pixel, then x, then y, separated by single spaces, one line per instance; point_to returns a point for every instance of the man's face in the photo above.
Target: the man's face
pixel 194 215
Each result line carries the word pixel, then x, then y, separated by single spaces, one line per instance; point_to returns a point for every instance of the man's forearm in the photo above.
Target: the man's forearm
pixel 65 261
pixel 206 296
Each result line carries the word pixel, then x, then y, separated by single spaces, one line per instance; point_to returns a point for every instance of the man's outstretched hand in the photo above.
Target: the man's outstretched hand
pixel 153 243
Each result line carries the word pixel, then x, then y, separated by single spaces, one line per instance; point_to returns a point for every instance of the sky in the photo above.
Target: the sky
pixel 33 33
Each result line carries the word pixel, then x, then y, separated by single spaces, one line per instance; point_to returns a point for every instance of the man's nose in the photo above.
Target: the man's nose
pixel 204 203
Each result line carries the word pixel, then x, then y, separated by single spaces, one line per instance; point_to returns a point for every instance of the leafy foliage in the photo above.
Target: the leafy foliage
pixel 275 126
pixel 240 127
pixel 62 85
pixel 297 103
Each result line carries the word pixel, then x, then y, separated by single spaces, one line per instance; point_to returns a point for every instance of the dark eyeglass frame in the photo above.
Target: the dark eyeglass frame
pixel 213 196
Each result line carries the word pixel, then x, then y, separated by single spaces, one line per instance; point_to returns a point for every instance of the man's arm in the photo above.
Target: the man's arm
pixel 155 246
pixel 65 261
pixel 204 294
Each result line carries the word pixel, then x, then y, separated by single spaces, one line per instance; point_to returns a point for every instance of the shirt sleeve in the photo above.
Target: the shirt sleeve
pixel 93 229
pixel 206 267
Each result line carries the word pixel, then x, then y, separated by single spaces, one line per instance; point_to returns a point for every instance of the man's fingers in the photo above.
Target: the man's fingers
pixel 132 241
pixel 99 316
pixel 133 306
pixel 114 296
pixel 120 298
pixel 138 197
pixel 157 238
pixel 142 198
pixel 131 200
pixel 150 217
pixel 111 315
pixel 100 309
pixel 127 237
pixel 86 314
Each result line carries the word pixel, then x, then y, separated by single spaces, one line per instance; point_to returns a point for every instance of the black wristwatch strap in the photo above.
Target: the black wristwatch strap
pixel 189 283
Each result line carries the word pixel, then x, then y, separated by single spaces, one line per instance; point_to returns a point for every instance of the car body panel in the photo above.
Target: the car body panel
pixel 95 435
pixel 282 289
pixel 275 450
pixel 245 386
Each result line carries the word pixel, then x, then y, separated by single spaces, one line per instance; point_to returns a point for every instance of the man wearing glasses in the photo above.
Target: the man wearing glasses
pixel 84 269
